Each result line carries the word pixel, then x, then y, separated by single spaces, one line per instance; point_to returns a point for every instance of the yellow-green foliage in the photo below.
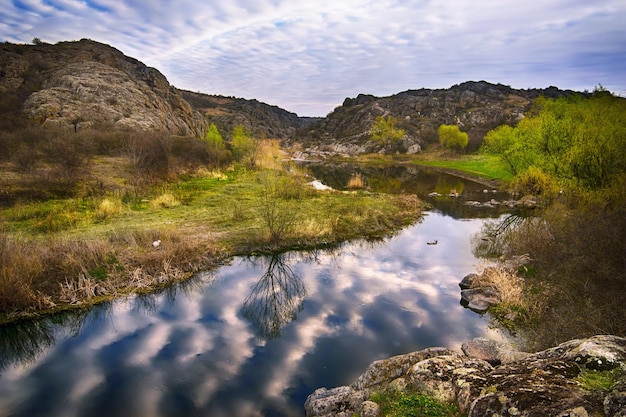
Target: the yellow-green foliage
pixel 165 200
pixel 384 130
pixel 451 137
pixel 593 380
pixel 109 207
pixel 534 181
pixel 567 138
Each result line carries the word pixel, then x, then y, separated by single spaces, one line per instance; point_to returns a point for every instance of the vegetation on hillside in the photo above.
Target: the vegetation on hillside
pixel 385 132
pixel 571 153
pixel 451 137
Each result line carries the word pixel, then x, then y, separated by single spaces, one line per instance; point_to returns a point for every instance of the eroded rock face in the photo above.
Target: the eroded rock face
pixel 539 384
pixel 89 84
pixel 475 106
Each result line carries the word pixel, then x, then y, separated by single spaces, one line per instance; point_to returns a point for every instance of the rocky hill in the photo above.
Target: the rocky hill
pixel 263 120
pixel 89 84
pixel 84 84
pixel 476 107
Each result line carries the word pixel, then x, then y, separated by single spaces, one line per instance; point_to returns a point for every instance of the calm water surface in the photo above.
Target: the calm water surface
pixel 255 338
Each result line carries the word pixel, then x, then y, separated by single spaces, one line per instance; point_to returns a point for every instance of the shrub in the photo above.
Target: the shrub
pixel 275 210
pixel 109 207
pixel 534 181
pixel 165 200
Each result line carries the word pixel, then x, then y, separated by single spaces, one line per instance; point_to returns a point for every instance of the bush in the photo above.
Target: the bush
pixel 165 200
pixel 534 181
pixel 275 210
pixel 109 207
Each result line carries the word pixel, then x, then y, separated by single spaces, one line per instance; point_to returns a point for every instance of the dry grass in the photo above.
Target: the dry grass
pixel 166 200
pixel 509 285
pixel 269 154
pixel 109 208
pixel 574 280
pixel 37 275
pixel 356 181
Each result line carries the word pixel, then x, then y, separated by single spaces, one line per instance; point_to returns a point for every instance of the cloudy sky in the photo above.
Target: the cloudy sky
pixel 307 56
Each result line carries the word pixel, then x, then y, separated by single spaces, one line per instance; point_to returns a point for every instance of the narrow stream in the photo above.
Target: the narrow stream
pixel 255 337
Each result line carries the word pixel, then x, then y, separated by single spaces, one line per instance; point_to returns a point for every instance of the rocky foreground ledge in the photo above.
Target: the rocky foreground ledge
pixel 492 379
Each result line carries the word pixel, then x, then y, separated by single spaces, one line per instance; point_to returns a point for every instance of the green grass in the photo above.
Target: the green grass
pixel 593 380
pixel 401 404
pixel 484 166
pixel 74 250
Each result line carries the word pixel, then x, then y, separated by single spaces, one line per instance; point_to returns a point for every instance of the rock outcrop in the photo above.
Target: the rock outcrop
pixel 476 107
pixel 89 84
pixel 547 383
pixel 263 120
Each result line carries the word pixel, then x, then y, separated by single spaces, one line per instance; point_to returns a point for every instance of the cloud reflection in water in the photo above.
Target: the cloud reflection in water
pixel 257 337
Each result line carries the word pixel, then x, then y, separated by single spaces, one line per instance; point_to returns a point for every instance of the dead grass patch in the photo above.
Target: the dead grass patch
pixel 166 200
pixel 356 181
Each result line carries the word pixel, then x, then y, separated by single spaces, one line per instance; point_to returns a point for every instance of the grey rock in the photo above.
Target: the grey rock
pixel 479 299
pixel 370 409
pixel 468 281
pixel 615 401
pixel 476 107
pixel 491 351
pixel 340 401
pixel 526 385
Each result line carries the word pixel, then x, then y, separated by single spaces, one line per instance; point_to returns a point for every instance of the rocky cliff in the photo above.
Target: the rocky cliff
pixel 89 84
pixel 476 107
pixel 579 378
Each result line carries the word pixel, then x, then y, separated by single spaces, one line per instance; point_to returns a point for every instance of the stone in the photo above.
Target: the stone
pixel 491 351
pixel 386 370
pixel 450 378
pixel 615 402
pixel 479 299
pixel 370 409
pixel 341 401
pixel 525 385
pixel 468 281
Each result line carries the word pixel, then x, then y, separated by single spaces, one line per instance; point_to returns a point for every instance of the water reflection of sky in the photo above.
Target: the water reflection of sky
pixel 199 352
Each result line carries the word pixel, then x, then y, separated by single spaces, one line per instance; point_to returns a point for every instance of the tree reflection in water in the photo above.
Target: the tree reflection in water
pixel 25 341
pixel 276 299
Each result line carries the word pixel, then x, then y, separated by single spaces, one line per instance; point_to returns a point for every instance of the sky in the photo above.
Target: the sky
pixel 307 56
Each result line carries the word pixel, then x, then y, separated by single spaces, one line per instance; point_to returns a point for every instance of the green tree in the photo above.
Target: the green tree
pixel 451 137
pixel 384 131
pixel 217 153
pixel 244 146
pixel 574 139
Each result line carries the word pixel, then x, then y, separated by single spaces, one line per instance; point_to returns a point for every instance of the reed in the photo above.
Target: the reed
pixel 356 181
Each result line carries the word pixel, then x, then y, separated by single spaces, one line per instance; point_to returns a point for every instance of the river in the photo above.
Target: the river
pixel 257 336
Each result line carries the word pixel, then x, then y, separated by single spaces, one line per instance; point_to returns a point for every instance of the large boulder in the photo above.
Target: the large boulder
pixel 546 383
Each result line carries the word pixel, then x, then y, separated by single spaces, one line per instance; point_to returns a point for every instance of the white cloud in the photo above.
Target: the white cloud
pixel 308 56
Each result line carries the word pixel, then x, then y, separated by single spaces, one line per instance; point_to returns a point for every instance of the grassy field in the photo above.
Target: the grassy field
pixel 69 253
pixel 478 166
pixel 488 167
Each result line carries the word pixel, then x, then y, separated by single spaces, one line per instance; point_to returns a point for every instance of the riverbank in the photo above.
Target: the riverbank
pixel 487 170
pixel 74 253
